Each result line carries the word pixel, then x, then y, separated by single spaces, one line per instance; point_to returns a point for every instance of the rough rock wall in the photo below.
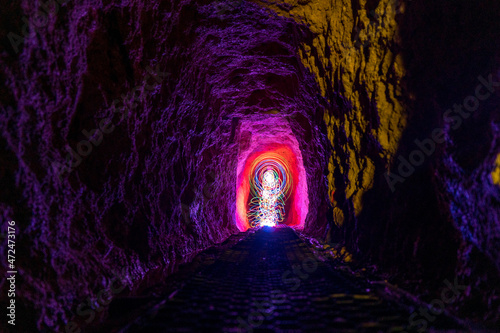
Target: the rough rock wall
pixel 422 211
pixel 358 67
pixel 453 58
pixel 118 135
pixel 166 83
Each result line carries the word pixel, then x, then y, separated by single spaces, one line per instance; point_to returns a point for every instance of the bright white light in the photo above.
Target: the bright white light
pixel 267 223
pixel 267 209
pixel 269 178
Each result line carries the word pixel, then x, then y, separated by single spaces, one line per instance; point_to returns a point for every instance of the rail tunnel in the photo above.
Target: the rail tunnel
pixel 250 166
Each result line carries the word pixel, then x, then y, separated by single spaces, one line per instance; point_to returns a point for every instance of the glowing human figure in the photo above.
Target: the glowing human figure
pixel 269 187
pixel 268 209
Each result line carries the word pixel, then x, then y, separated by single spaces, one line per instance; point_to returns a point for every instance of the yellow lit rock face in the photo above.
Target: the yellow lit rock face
pixel 353 54
pixel 495 175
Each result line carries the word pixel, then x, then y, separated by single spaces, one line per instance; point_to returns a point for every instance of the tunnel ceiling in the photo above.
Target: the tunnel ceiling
pixel 126 127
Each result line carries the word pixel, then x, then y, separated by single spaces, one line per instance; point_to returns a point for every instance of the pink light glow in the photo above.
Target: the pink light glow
pixel 268 139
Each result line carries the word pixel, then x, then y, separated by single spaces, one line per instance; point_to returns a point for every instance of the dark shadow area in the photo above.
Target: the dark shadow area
pixel 430 228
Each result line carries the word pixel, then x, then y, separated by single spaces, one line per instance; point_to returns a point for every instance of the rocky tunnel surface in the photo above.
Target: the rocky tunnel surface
pixel 131 131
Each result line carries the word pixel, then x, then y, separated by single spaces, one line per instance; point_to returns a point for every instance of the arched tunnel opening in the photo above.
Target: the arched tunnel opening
pixel 271 179
pixel 268 202
pixel 241 166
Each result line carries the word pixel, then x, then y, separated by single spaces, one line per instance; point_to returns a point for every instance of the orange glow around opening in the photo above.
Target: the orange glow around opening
pixel 284 154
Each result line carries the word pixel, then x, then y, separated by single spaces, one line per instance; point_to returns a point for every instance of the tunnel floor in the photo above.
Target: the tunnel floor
pixel 252 287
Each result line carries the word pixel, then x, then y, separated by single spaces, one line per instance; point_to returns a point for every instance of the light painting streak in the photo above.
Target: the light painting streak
pixel 270 184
